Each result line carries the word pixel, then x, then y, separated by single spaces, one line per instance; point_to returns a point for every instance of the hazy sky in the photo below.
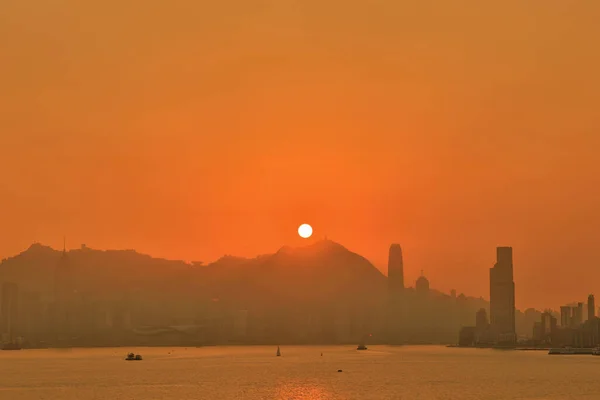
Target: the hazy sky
pixel 189 129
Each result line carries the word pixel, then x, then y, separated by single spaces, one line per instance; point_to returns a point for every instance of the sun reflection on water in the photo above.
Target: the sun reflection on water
pixel 304 391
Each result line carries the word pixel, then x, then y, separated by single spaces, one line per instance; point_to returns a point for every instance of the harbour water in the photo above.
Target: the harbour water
pixel 254 372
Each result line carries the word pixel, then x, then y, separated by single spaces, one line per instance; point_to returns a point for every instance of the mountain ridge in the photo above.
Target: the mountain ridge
pixel 41 260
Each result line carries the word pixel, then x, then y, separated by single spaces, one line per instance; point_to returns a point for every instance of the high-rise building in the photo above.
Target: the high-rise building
pixel 548 323
pixel 481 320
pixel 396 306
pixel 30 314
pixel 565 316
pixel 63 279
pixel 538 333
pixel 395 270
pixel 577 316
pixel 591 307
pixel 64 293
pixel 9 310
pixel 502 297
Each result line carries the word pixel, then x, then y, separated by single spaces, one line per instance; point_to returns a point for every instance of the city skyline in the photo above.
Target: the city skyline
pixel 70 307
pixel 395 261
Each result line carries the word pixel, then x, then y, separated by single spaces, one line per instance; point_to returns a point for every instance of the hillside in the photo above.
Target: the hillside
pixel 323 271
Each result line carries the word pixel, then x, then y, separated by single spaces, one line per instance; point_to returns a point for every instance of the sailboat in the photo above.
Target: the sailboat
pixel 278 352
pixel 362 345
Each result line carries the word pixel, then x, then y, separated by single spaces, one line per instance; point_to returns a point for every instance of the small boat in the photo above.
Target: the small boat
pixel 361 347
pixel 133 357
pixel 596 351
pixel 278 352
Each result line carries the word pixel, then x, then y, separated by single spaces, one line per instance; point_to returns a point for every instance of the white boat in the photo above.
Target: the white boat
pixel 278 352
pixel 596 351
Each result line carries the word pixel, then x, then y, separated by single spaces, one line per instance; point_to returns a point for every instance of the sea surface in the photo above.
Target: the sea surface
pixel 254 372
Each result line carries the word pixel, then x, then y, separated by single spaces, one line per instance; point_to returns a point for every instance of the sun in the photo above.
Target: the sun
pixel 305 231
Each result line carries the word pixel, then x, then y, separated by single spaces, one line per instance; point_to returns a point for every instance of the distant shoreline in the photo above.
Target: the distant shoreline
pixel 502 347
pixel 353 345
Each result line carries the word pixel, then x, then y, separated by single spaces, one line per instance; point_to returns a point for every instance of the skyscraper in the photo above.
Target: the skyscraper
pixel 63 279
pixel 547 327
pixel 502 297
pixel 63 294
pixel 577 315
pixel 9 310
pixel 591 307
pixel 395 317
pixel 565 316
pixel 395 270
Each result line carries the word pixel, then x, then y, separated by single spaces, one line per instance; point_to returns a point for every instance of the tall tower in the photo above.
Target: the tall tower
pixel 395 270
pixel 63 294
pixel 63 288
pixel 591 307
pixel 577 316
pixel 502 297
pixel 9 310
pixel 396 306
pixel 565 316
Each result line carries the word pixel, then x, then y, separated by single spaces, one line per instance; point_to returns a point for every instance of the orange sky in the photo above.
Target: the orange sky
pixel 188 130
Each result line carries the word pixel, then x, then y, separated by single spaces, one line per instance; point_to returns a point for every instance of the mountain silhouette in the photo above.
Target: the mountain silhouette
pixel 314 272
pixel 95 272
pixel 322 271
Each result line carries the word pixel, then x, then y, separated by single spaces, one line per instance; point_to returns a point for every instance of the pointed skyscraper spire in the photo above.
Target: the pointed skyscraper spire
pixel 395 269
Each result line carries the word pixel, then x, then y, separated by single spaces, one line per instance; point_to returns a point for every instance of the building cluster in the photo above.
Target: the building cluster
pixel 28 318
pixel 419 315
pixel 579 327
